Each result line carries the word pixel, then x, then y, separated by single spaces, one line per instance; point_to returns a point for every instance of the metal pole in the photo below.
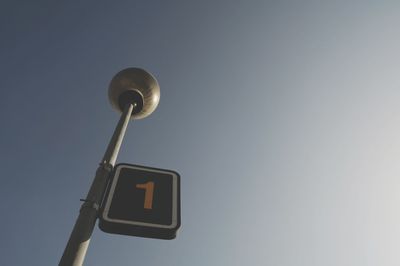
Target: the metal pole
pixel 75 251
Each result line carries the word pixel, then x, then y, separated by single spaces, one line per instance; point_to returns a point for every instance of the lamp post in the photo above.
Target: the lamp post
pixel 135 93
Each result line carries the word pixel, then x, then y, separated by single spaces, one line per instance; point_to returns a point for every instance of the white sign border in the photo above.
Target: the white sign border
pixel 174 197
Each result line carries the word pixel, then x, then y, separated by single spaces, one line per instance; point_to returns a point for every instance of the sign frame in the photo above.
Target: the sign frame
pixel 139 228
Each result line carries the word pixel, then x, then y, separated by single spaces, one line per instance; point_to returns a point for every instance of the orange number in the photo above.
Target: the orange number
pixel 148 195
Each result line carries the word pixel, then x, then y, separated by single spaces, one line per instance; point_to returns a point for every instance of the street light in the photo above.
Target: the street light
pixel 135 93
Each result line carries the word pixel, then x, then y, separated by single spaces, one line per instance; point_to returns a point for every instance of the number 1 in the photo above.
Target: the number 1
pixel 148 195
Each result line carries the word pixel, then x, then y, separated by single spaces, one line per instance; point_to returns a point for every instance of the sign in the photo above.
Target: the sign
pixel 142 201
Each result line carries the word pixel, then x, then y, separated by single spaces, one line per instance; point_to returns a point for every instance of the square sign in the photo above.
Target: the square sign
pixel 142 201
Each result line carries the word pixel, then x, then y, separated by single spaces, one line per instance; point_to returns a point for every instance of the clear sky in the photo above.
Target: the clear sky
pixel 282 118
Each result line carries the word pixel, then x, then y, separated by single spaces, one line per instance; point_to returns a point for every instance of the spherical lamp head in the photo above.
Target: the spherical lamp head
pixel 134 86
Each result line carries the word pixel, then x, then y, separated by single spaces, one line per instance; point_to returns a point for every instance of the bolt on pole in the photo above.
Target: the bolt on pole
pixel 75 251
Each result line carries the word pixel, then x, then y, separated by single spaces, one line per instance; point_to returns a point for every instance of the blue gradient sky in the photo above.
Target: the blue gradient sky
pixel 282 118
